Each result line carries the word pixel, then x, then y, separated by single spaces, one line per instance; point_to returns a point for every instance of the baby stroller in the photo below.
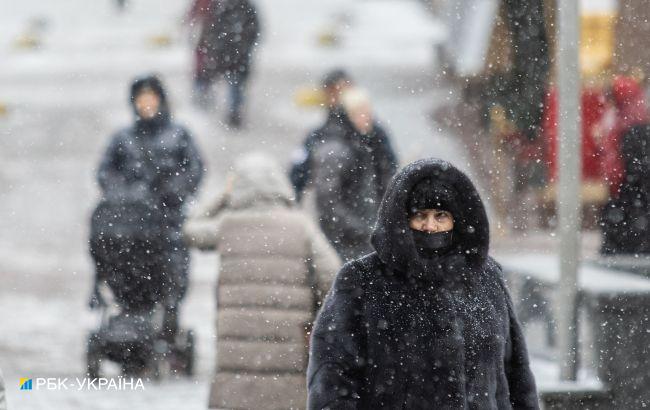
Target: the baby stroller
pixel 138 297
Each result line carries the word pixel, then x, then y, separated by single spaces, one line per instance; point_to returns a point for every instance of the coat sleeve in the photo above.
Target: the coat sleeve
pixel 337 350
pixel 178 184
pixel 521 382
pixel 330 162
pixel 324 262
pixel 202 233
pixel 202 229
pixel 116 181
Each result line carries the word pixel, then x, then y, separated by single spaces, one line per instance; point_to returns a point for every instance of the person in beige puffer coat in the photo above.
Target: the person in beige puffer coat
pixel 276 267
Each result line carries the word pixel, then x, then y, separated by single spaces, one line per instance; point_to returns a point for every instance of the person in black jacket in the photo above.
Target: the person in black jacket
pixel 146 176
pixel 626 217
pixel 425 321
pixel 334 84
pixel 229 33
pixel 351 170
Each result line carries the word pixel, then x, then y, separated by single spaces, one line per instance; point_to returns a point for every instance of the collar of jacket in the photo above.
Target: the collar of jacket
pixel 152 126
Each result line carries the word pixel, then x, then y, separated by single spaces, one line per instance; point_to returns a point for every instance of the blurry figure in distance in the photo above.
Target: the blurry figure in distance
pixel 334 84
pixel 350 171
pixel 229 33
pixel 629 109
pixel 626 216
pixel 146 176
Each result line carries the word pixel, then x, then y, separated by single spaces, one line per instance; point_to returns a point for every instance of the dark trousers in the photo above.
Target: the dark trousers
pixel 236 85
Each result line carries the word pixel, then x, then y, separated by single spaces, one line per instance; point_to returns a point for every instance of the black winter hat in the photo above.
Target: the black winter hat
pixel 431 194
pixel 150 81
pixel 334 76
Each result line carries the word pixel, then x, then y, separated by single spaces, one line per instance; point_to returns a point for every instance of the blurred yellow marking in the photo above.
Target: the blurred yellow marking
pixel 27 41
pixel 597 43
pixel 327 37
pixel 160 40
pixel 309 96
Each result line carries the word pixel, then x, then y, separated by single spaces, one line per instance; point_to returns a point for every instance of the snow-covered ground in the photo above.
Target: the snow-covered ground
pixel 62 100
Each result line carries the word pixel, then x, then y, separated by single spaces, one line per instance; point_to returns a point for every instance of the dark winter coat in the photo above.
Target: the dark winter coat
pixel 626 218
pixel 300 173
pixel 146 175
pixel 350 173
pixel 228 36
pixel 401 332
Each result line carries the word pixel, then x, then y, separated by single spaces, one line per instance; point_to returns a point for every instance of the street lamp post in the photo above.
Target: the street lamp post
pixel 570 175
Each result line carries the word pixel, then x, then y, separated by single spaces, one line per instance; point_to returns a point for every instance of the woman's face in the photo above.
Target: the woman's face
pixel 147 103
pixel 361 118
pixel 431 220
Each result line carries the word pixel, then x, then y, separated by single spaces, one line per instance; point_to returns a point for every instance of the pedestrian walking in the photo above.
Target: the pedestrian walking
pixel 625 223
pixel 275 269
pixel 230 31
pixel 334 83
pixel 146 176
pixel 351 170
pixel 425 321
pixel 629 109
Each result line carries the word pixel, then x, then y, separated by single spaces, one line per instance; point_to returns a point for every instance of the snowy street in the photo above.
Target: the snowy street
pixel 60 102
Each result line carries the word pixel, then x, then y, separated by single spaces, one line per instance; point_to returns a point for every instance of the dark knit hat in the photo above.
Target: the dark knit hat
pixel 430 194
pixel 151 82
pixel 334 76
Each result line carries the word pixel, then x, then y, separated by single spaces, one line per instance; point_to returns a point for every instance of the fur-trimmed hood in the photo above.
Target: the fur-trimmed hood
pixel 259 181
pixel 392 237
pixel 163 118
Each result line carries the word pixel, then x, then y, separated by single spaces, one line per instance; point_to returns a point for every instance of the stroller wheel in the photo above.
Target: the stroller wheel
pixel 189 354
pixel 158 364
pixel 182 355
pixel 93 356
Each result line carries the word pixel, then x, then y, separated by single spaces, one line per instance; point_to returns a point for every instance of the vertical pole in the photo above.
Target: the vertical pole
pixel 570 175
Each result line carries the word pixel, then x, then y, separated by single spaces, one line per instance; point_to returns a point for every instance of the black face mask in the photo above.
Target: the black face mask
pixel 430 245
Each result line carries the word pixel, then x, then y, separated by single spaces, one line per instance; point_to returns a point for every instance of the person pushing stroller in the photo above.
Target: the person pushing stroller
pixel 146 176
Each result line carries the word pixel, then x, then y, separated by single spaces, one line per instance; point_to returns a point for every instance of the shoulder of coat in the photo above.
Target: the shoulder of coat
pixel 493 273
pixel 379 128
pixel 122 138
pixel 179 130
pixel 358 271
pixel 368 262
pixel 493 267
pixel 123 134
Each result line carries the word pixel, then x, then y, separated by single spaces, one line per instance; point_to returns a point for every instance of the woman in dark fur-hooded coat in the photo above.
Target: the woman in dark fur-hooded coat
pixel 405 329
pixel 147 175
